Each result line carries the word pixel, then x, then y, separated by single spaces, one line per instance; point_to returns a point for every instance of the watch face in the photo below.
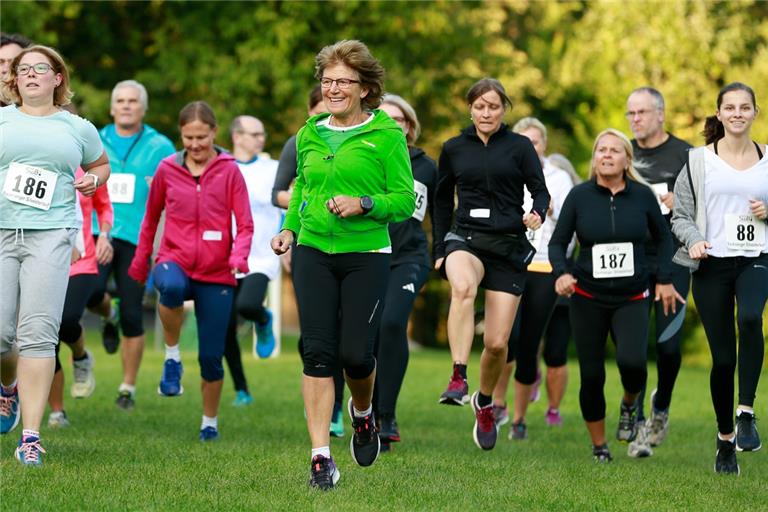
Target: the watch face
pixel 366 202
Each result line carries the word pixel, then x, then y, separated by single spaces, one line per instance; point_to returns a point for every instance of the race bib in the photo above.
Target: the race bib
pixel 122 186
pixel 613 260
pixel 661 189
pixel 212 236
pixel 480 213
pixel 744 232
pixel 31 186
pixel 422 196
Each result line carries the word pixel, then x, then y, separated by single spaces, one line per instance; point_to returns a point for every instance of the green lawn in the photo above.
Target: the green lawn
pixel 150 458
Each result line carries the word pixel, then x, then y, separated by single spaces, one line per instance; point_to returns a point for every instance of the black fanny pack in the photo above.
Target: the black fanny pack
pixel 511 247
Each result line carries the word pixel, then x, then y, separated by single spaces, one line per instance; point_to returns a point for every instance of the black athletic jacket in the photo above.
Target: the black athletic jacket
pixel 409 242
pixel 489 181
pixel 597 217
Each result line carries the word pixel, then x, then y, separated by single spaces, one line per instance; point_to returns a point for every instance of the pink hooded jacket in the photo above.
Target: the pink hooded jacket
pixel 198 221
pixel 100 202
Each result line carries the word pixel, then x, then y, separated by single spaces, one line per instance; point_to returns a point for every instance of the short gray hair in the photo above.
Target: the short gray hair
pixel 143 96
pixel 530 122
pixel 658 98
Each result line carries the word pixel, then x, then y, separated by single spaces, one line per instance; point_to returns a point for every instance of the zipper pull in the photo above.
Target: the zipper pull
pixel 198 187
pixel 329 157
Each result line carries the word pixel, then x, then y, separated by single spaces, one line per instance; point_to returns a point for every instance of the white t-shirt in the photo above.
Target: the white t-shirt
pixel 259 175
pixel 727 192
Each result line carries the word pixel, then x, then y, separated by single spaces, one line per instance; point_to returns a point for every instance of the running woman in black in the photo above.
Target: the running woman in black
pixel 660 156
pixel 720 217
pixel 409 268
pixel 611 215
pixel 484 243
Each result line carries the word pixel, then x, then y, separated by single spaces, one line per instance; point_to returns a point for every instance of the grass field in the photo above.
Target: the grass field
pixel 150 458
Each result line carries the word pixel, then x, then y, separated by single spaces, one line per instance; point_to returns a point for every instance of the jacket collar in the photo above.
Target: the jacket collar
pixel 471 132
pixel 629 184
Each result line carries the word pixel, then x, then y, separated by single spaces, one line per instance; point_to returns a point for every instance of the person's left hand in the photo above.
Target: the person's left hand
pixel 75 256
pixel 668 296
pixel 86 185
pixel 344 206
pixel 104 250
pixel 758 209
pixel 532 221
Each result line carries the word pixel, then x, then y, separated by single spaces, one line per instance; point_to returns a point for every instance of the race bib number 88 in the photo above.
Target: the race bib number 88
pixel 31 186
pixel 613 260
pixel 744 232
pixel 121 187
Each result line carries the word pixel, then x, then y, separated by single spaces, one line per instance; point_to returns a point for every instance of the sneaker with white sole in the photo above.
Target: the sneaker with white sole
pixel 626 430
pixel 323 474
pixel 601 454
pixel 747 438
pixel 658 423
pixel 725 458
pixel 365 444
pixel 457 392
pixel 170 382
pixel 641 446
pixel 500 415
pixel 9 411
pixel 29 452
pixel 85 382
pixel 58 419
pixel 484 432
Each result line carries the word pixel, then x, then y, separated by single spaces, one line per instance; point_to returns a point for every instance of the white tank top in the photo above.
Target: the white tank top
pixel 727 192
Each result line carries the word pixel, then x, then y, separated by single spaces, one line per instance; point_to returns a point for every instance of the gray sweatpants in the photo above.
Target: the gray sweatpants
pixel 34 272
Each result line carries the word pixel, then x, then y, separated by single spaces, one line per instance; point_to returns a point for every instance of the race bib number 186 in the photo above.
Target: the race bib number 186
pixel 31 186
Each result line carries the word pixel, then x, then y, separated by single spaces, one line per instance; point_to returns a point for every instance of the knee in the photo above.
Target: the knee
pixel 70 330
pixel 750 322
pixel 495 345
pixel 249 310
pixel 211 368
pixel 172 294
pixel 463 290
pixel 391 326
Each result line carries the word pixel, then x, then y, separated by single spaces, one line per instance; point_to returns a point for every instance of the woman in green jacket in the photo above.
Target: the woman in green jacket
pixel 353 178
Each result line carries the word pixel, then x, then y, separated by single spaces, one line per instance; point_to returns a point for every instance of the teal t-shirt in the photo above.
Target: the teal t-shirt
pixel 57 143
pixel 335 136
pixel 123 145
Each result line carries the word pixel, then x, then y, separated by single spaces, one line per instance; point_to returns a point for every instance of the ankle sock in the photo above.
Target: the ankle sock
pixel 362 414
pixel 325 451
pixel 731 440
pixel 27 433
pixel 10 389
pixel 209 422
pixel 742 409
pixel 127 387
pixel 172 353
pixel 484 400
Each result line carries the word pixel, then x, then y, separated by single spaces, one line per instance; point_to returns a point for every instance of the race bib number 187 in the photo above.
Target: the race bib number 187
pixel 31 186
pixel 613 260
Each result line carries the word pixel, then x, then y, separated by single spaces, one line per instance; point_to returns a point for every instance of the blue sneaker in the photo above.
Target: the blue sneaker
pixel 209 434
pixel 9 411
pixel 170 382
pixel 242 399
pixel 265 338
pixel 337 422
pixel 29 451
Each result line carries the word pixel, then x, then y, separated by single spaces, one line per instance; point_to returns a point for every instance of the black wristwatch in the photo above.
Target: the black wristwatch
pixel 366 203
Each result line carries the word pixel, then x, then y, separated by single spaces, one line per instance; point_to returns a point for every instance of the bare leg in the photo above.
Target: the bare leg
pixel 557 379
pixel 132 352
pixel 464 271
pixel 35 378
pixel 211 391
pixel 318 402
pixel 500 311
pixel 522 399
pixel 56 395
pixel 596 431
pixel 361 390
pixel 8 362
pixel 502 386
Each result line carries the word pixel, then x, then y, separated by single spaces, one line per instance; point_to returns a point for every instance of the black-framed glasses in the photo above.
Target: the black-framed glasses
pixel 40 68
pixel 341 83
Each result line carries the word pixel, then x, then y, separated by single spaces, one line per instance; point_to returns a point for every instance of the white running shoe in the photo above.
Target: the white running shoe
pixel 85 382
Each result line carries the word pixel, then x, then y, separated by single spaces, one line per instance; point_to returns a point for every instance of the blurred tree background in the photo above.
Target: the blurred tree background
pixel 571 64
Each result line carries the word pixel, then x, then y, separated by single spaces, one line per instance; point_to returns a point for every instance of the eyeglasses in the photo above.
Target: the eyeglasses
pixel 40 68
pixel 253 134
pixel 632 113
pixel 341 83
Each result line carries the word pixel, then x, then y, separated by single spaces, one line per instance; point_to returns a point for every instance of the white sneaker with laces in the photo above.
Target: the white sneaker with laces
pixel 641 446
pixel 85 382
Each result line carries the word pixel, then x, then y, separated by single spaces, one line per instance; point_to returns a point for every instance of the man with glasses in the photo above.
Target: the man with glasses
pixel 661 156
pixel 259 171
pixel 135 150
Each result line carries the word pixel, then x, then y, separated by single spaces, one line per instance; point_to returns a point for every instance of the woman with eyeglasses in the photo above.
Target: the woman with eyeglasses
pixel 41 146
pixel 721 218
pixel 354 178
pixel 202 192
pixel 481 243
pixel 409 268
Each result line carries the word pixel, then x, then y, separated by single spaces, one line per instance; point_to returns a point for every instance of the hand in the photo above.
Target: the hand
pixel 439 263
pixel 532 221
pixel 344 206
pixel 234 271
pixel 86 185
pixel 668 200
pixel 75 256
pixel 668 296
pixel 104 250
pixel 285 260
pixel 759 209
pixel 565 286
pixel 698 250
pixel 281 243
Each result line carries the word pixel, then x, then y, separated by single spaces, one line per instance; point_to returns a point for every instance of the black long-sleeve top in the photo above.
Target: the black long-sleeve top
pixel 286 169
pixel 488 180
pixel 598 217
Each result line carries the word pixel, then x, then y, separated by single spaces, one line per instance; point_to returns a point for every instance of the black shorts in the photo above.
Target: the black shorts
pixel 500 274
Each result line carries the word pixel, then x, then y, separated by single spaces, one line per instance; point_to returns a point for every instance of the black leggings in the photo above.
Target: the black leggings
pixel 391 350
pixel 718 285
pixel 340 299
pixel 557 335
pixel 536 306
pixel 249 303
pixel 627 322
pixel 79 289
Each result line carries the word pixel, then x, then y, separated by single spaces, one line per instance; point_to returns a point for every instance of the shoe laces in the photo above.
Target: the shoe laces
pixel 321 471
pixel 81 371
pixel 31 450
pixel 172 370
pixel 457 382
pixel 7 404
pixel 364 428
pixel 485 419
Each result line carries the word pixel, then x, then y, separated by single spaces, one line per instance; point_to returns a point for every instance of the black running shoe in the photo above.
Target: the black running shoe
pixel 484 432
pixel 365 444
pixel 725 460
pixel 388 430
pixel 457 392
pixel 601 454
pixel 323 474
pixel 627 429
pixel 125 400
pixel 747 438
pixel 110 336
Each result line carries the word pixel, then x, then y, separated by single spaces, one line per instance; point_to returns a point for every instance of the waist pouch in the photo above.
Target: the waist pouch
pixel 513 248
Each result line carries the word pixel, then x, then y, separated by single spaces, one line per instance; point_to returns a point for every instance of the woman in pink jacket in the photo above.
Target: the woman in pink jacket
pixel 200 188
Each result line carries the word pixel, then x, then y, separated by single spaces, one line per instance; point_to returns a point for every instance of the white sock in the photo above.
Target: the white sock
pixel 9 389
pixel 210 422
pixel 743 408
pixel 731 440
pixel 362 414
pixel 29 433
pixel 172 353
pixel 325 451
pixel 128 388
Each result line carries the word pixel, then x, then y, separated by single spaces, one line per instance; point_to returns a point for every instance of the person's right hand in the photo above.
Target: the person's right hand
pixel 698 250
pixel 439 263
pixel 282 242
pixel 285 260
pixel 565 285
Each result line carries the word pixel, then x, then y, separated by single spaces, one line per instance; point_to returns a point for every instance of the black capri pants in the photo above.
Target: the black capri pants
pixel 718 285
pixel 627 322
pixel 79 289
pixel 340 299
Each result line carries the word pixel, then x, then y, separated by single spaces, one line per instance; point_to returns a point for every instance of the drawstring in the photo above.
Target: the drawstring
pixel 16 237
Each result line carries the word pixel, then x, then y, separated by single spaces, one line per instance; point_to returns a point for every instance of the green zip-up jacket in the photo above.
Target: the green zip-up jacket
pixel 373 163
